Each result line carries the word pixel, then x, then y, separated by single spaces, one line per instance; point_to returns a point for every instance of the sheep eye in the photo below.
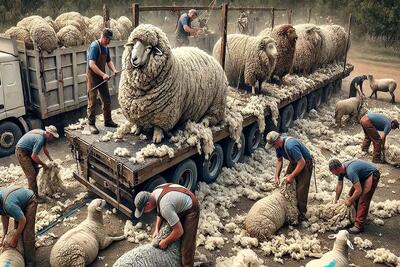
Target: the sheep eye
pixel 148 48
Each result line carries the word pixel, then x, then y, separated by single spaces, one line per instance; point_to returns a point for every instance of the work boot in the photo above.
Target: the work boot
pixel 355 230
pixel 93 129
pixel 111 124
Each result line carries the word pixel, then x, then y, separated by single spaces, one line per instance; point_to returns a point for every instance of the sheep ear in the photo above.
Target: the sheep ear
pixel 332 236
pixel 98 208
pixel 262 45
pixel 350 244
pixel 157 51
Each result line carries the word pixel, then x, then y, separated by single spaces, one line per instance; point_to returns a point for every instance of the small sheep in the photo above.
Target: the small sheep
pixel 150 255
pixel 338 255
pixel 308 48
pixel 162 87
pixel 12 256
pixel 80 245
pixel 269 213
pixel 69 36
pixel 285 37
pixel 248 60
pixel 350 106
pixel 382 85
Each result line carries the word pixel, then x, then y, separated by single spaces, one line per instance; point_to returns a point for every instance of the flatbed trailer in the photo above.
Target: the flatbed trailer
pixel 117 180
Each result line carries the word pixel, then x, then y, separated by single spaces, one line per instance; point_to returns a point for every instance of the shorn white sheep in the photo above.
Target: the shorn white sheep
pixel 80 245
pixel 269 213
pixel 12 256
pixel 350 106
pixel 382 85
pixel 162 87
pixel 339 255
pixel 150 255
pixel 249 60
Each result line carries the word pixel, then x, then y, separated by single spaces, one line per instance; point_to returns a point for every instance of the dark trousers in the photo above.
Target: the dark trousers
pixel 92 98
pixel 371 135
pixel 28 235
pixel 30 168
pixel 190 222
pixel 181 40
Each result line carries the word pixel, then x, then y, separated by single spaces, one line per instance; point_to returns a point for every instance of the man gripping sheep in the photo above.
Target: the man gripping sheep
pixel 371 124
pixel 364 177
pixel 184 28
pixel 299 169
pixel 179 207
pixel 98 57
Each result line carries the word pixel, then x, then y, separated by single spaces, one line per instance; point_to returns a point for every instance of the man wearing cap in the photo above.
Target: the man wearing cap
pixel 364 177
pixel 98 57
pixel 20 204
pixel 179 207
pixel 28 149
pixel 357 82
pixel 299 169
pixel 184 28
pixel 372 123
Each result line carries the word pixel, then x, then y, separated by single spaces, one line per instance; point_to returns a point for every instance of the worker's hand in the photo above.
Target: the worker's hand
pixel 45 166
pixel 348 202
pixel 163 244
pixel 14 241
pixel 155 234
pixel 105 76
pixel 276 181
pixel 115 72
pixel 2 240
pixel 289 179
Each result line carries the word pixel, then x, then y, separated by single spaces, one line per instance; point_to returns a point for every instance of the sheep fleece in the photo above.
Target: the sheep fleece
pixel 180 85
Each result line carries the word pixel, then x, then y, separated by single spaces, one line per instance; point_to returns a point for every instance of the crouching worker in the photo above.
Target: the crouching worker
pixel 299 169
pixel 27 152
pixel 371 124
pixel 20 204
pixel 357 82
pixel 364 177
pixel 179 207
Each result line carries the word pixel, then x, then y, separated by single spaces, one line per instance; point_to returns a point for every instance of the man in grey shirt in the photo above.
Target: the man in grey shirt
pixel 179 207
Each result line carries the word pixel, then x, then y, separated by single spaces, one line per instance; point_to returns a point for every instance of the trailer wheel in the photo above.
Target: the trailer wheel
pixel 327 92
pixel 185 174
pixel 210 169
pixel 300 108
pixel 252 138
pixel 310 102
pixel 287 118
pixel 153 183
pixel 232 152
pixel 318 98
pixel 10 133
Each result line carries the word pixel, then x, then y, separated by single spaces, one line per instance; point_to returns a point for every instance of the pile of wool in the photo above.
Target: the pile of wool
pixel 245 241
pixel 69 36
pixel 136 233
pixel 385 209
pixel 11 174
pixel 123 129
pixel 82 122
pixel 385 256
pixel 362 244
pixel 269 214
pixel 49 180
pixel 295 245
pixel 122 152
pixel 392 154
pixel 244 258
pixel 233 119
pixel 107 137
pixel 72 18
pixel 45 240
pixel 43 35
pixel 151 150
pixel 20 34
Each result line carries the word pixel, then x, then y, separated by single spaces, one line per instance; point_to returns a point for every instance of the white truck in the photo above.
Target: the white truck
pixel 38 88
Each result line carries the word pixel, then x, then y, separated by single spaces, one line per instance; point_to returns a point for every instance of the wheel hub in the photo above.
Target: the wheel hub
pixel 7 139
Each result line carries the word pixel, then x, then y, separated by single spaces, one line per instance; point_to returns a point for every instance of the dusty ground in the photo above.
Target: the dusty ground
pixel 381 236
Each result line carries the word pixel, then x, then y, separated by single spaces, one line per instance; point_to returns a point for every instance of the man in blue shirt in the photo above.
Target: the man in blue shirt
pixel 98 58
pixel 372 123
pixel 184 28
pixel 28 149
pixel 365 177
pixel 20 204
pixel 299 169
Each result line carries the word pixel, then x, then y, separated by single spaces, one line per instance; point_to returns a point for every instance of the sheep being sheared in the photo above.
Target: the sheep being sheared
pixel 162 87
pixel 49 180
pixel 150 255
pixel 249 60
pixel 285 37
pixel 12 256
pixel 269 213
pixel 382 85
pixel 350 106
pixel 80 245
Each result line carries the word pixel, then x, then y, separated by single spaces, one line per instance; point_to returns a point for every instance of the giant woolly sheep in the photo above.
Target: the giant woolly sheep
pixel 270 213
pixel 308 48
pixel 285 37
pixel 161 87
pixel 69 36
pixel 249 59
pixel 28 22
pixel 71 18
pixel 334 40
pixel 12 256
pixel 339 255
pixel 80 245
pixel 150 255
pixel 43 35
pixel 20 34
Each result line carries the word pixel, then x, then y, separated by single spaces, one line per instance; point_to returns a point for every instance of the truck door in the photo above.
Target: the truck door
pixel 11 85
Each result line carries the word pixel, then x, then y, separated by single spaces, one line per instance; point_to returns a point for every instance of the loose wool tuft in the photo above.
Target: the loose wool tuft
pixel 69 36
pixel 49 180
pixel 150 255
pixel 285 37
pixel 270 213
pixel 181 84
pixel 244 258
pixel 247 60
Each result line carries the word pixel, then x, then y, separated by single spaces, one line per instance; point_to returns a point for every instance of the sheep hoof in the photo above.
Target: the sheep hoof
pixel 157 135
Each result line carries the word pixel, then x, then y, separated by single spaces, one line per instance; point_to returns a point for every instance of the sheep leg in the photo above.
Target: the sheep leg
pixel 376 94
pixel 109 239
pixel 253 90
pixel 158 134
pixel 137 130
pixel 393 98
pixel 372 94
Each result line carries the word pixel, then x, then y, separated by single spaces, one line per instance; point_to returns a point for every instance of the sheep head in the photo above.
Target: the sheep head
pixel 289 31
pixel 370 77
pixel 267 49
pixel 342 241
pixel 95 209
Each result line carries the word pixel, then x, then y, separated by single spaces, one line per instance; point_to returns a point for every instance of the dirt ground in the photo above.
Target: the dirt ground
pixel 381 236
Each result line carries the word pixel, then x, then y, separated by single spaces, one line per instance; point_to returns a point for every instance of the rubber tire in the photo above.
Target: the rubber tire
pixel 310 102
pixel 204 173
pixel 180 169
pixel 318 98
pixel 287 118
pixel 327 93
pixel 16 132
pixel 253 138
pixel 151 184
pixel 300 108
pixel 228 145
